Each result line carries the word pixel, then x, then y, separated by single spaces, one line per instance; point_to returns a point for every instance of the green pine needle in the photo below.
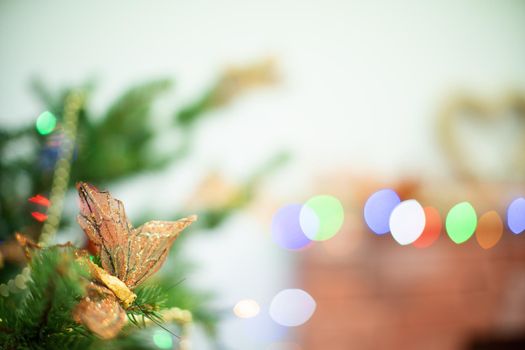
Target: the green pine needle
pixel 150 300
pixel 40 317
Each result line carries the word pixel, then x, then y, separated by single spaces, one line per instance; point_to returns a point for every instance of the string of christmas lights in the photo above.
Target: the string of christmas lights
pixel 296 226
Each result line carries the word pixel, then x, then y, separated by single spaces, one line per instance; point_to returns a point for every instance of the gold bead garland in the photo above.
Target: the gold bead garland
pixel 73 104
pixel 72 108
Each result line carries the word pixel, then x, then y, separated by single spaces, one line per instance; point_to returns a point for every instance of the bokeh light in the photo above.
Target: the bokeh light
pixel 490 229
pixel 309 221
pixel 461 222
pixel 292 307
pixel 516 216
pixel 162 339
pixel 286 228
pixel 46 123
pixel 432 229
pixel 330 216
pixel 407 222
pixel 246 308
pixel 378 208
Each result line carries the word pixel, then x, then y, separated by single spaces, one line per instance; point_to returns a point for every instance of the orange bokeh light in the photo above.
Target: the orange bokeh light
pixel 432 229
pixel 490 229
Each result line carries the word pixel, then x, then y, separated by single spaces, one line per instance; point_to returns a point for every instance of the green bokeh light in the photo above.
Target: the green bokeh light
pixel 329 214
pixel 162 339
pixel 46 123
pixel 461 222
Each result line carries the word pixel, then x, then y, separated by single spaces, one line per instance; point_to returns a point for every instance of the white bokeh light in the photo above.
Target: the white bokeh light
pixel 292 307
pixel 246 308
pixel 407 222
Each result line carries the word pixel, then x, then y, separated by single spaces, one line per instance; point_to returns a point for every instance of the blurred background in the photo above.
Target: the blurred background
pixel 236 109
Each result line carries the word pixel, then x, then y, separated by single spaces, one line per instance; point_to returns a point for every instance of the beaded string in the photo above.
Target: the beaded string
pixel 72 107
pixel 73 104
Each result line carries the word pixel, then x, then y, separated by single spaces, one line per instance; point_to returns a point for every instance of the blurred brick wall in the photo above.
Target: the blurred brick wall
pixel 372 293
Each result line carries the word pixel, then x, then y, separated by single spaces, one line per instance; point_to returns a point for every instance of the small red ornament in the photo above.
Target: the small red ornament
pixel 40 217
pixel 40 200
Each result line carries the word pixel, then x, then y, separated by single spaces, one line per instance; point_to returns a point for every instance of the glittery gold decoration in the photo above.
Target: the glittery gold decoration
pixel 128 256
pixel 27 244
pixel 119 288
pixel 100 311
pixel 467 107
pixel 215 192
pixel 238 79
pixel 131 254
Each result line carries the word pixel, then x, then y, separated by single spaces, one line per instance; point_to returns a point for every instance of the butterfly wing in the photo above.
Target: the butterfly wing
pixel 132 255
pixel 149 246
pixel 100 312
pixel 104 221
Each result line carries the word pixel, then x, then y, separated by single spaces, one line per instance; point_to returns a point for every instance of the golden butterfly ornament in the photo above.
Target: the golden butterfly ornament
pixel 128 257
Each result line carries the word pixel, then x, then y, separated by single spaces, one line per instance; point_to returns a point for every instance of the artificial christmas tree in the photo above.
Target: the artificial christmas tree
pixel 70 144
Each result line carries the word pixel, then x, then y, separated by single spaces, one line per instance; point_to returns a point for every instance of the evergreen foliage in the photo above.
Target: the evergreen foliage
pixel 40 316
pixel 110 147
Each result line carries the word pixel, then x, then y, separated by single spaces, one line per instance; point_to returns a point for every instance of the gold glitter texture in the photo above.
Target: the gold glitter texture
pixel 128 256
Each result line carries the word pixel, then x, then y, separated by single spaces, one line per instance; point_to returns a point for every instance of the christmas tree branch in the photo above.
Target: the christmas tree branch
pixel 50 288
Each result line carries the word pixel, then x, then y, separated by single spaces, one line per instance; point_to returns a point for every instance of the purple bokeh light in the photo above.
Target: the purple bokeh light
pixel 516 216
pixel 286 228
pixel 378 208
